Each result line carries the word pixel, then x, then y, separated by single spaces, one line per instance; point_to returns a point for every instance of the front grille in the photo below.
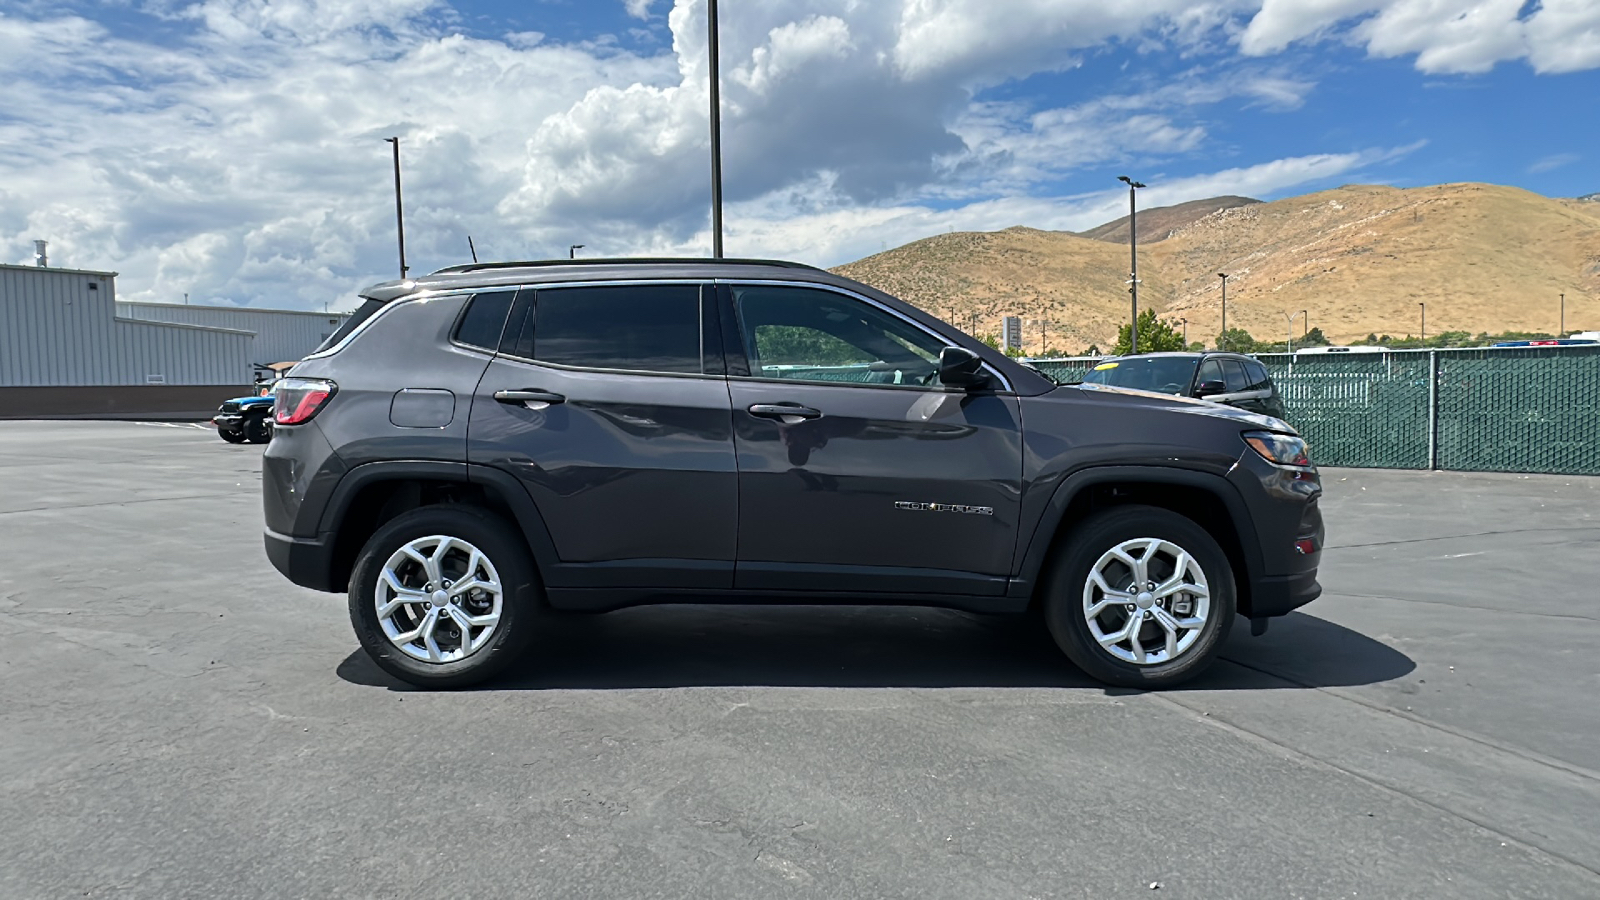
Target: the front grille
pixel 230 406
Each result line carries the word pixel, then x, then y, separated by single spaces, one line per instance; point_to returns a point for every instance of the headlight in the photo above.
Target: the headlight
pixel 1279 449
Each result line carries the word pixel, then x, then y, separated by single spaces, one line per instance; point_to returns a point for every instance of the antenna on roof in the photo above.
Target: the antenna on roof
pixel 472 248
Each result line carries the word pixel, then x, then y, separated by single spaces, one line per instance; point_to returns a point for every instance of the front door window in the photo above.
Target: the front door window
pixel 804 334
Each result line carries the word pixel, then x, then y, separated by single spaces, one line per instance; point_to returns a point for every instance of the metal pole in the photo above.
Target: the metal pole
pixel 1433 409
pixel 572 251
pixel 1185 333
pixel 716 135
pixel 1133 250
pixel 1563 331
pixel 399 210
pixel 1222 342
pixel 1424 321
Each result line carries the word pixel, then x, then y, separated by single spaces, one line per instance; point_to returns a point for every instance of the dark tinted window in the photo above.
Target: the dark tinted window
pixel 362 313
pixel 1162 374
pixel 1233 375
pixel 645 328
pixel 1256 374
pixel 1210 370
pixel 486 314
pixel 518 339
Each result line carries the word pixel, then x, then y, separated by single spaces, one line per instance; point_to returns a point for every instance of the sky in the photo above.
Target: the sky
pixel 233 150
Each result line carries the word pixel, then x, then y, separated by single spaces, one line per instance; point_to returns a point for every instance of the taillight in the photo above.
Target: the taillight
pixel 296 400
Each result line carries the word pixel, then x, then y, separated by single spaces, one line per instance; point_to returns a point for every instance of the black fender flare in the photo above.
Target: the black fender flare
pixel 501 484
pixel 1044 533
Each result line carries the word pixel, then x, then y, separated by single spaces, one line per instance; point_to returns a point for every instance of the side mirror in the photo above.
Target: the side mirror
pixel 959 367
pixel 1208 388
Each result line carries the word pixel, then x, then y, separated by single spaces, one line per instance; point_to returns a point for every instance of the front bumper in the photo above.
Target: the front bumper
pixel 304 561
pixel 228 421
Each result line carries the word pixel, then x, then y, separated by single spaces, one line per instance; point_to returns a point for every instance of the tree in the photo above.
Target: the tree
pixel 1155 335
pixel 1313 338
pixel 1236 340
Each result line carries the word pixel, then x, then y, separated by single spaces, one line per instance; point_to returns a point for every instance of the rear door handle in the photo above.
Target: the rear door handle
pixel 531 398
pixel 787 413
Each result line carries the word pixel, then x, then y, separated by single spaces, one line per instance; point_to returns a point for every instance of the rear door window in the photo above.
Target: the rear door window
pixel 1233 376
pixel 638 328
pixel 1210 370
pixel 1257 375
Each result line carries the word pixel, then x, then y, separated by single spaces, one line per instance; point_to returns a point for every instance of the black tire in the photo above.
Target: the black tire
pixel 257 430
pixel 232 437
pixel 521 606
pixel 1083 548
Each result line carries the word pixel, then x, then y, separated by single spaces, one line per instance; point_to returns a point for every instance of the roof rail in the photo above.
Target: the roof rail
pixel 637 260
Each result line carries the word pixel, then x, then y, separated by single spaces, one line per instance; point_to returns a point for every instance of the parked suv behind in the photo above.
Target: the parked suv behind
pixel 1231 378
pixel 483 445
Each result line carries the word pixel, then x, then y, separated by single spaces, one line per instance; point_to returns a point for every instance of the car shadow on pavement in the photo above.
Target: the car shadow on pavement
pixel 702 646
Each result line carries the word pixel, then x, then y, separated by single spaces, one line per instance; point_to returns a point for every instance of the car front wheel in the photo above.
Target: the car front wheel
pixel 444 596
pixel 1141 597
pixel 257 429
pixel 232 437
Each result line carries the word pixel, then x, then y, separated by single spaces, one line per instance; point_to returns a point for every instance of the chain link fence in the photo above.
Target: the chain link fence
pixel 1531 409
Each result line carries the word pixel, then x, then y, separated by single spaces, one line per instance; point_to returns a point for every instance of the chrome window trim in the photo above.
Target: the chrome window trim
pixel 1007 389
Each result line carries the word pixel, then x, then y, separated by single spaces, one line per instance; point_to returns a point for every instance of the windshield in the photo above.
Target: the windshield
pixel 1162 374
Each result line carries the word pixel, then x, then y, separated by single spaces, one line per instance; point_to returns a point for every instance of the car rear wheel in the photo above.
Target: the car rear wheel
pixel 1141 597
pixel 444 596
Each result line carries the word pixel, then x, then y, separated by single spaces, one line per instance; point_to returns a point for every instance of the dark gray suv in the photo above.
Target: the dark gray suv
pixel 482 446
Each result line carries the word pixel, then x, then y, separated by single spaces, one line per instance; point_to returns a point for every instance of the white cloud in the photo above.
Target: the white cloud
pixel 240 156
pixel 1552 162
pixel 639 9
pixel 1446 36
pixel 1564 36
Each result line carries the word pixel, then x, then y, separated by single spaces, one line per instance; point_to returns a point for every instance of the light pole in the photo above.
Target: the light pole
pixel 1185 323
pixel 399 211
pixel 1305 325
pixel 1222 342
pixel 572 252
pixel 1133 247
pixel 1563 331
pixel 1424 307
pixel 716 134
pixel 1291 328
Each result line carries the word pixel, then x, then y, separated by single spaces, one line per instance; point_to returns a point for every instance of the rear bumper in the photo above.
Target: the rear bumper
pixel 304 561
pixel 1279 595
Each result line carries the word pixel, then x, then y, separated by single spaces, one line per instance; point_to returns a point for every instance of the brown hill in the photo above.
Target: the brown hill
pixel 1076 285
pixel 1358 259
pixel 1159 222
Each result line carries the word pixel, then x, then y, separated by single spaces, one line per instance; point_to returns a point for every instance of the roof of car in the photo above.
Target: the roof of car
pixel 487 274
pixel 1192 354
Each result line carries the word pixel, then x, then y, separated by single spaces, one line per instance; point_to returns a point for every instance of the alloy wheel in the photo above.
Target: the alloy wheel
pixel 439 599
pixel 1146 601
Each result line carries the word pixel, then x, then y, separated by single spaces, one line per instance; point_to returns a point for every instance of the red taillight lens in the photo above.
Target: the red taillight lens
pixel 1306 546
pixel 296 400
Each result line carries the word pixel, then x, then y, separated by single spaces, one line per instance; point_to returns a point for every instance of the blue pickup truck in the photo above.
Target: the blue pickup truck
pixel 246 418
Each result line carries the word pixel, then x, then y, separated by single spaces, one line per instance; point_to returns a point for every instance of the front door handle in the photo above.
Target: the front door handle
pixel 787 413
pixel 531 398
